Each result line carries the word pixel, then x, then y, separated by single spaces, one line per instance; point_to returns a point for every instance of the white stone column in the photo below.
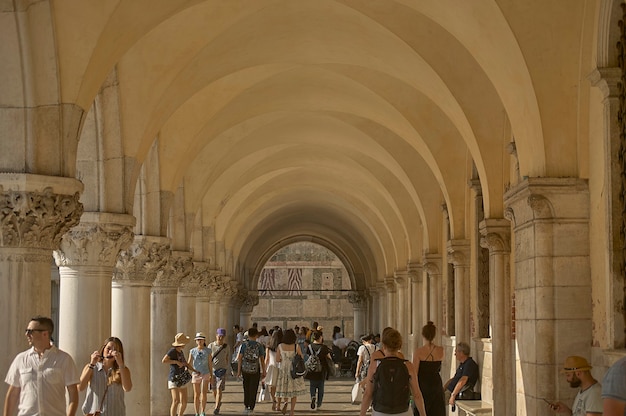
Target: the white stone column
pixel 357 300
pixel 418 304
pixel 36 212
pixel 383 316
pixel 432 270
pixel 136 270
pixel 164 324
pixel 496 236
pixel 391 298
pixel 401 307
pixel 458 254
pixel 86 261
pixel 552 283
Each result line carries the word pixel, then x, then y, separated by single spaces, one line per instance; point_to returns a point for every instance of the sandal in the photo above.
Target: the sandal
pixel 285 408
pixel 274 405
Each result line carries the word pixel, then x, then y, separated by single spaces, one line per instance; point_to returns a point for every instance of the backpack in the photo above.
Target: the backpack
pixel 298 366
pixel 250 362
pixel 313 363
pixel 391 386
pixel 366 364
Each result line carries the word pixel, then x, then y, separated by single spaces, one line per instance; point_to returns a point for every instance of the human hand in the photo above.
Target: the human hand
pixel 560 407
pixel 95 357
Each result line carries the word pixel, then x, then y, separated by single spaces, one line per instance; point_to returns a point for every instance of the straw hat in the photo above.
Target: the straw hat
pixel 575 363
pixel 180 340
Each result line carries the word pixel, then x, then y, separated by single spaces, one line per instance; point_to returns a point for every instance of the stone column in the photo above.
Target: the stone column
pixel 459 254
pixel 358 307
pixel 193 301
pixel 550 218
pixel 432 270
pixel 163 324
pixel 418 304
pixel 86 261
pixel 249 301
pixel 391 299
pixel 230 291
pixel 374 311
pixel 496 236
pixel 35 212
pixel 383 316
pixel 401 307
pixel 137 268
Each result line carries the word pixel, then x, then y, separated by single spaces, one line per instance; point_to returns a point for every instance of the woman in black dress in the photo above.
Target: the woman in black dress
pixel 427 360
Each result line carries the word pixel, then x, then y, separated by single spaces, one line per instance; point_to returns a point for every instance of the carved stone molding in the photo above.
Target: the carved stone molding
pixel 458 252
pixel 540 206
pixel 143 260
pixel 93 242
pixel 496 235
pixel 36 219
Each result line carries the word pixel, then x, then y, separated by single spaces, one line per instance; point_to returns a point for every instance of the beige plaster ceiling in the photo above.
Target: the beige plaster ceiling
pixel 347 121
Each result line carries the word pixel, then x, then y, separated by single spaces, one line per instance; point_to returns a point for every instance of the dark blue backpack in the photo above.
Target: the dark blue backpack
pixel 391 386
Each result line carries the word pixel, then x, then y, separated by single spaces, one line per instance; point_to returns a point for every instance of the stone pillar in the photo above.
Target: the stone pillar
pixel 193 300
pixel 552 283
pixel 374 311
pixel 458 254
pixel 358 307
pixel 432 270
pixel 86 261
pixel 496 236
pixel 418 304
pixel 137 268
pixel 401 307
pixel 249 302
pixel 391 298
pixel 35 212
pixel 383 316
pixel 230 291
pixel 163 324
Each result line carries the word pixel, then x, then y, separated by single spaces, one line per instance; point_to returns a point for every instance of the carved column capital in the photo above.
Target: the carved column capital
pixel 96 240
pixel 36 211
pixel 143 260
pixel 249 301
pixel 178 267
pixel 401 278
pixel 357 299
pixel 459 252
pixel 496 235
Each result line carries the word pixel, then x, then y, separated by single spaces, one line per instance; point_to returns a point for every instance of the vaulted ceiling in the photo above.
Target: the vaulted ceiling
pixel 345 122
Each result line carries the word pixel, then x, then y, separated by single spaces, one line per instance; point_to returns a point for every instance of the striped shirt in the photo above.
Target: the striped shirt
pixel 113 401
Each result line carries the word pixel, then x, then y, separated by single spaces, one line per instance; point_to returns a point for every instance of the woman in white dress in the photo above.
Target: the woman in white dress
pixel 271 376
pixel 288 389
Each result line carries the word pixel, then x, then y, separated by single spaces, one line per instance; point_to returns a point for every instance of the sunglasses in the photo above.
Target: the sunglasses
pixel 29 331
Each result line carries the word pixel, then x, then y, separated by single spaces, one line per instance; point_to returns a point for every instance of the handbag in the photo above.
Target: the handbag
pixel 181 378
pixel 261 397
pixel 357 393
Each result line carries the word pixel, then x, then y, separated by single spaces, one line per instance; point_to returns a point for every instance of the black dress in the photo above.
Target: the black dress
pixel 432 388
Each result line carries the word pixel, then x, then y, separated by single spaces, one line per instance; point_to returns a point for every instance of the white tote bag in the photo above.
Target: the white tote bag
pixel 357 393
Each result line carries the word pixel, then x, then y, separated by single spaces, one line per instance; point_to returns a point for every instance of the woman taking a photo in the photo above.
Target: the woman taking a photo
pixel 106 378
pixel 176 360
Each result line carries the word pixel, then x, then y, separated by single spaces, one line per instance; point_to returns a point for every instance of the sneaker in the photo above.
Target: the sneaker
pixel 319 407
pixel 312 402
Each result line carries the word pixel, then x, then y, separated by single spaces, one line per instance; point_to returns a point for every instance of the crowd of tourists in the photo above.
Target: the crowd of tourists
pixel 278 360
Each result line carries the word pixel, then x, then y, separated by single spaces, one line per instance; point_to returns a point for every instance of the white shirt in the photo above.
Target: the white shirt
pixel 42 381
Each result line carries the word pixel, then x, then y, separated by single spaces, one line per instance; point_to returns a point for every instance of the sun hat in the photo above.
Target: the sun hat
pixel 575 363
pixel 180 340
pixel 200 335
pixel 221 331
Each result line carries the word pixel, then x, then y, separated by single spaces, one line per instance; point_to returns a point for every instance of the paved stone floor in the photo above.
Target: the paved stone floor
pixel 336 401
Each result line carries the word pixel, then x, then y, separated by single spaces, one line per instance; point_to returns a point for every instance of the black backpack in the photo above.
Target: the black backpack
pixel 298 366
pixel 391 386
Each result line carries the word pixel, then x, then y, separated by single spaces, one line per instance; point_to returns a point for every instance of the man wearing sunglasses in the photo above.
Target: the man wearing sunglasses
pixel 39 376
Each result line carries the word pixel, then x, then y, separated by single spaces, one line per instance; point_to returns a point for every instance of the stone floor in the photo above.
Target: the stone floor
pixel 336 401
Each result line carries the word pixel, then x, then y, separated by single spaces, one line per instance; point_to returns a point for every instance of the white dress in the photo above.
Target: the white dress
pixel 271 378
pixel 288 387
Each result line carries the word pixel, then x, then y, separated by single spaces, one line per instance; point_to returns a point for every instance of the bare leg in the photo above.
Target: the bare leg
pixel 174 406
pixel 183 401
pixel 196 397
pixel 205 390
pixel 293 406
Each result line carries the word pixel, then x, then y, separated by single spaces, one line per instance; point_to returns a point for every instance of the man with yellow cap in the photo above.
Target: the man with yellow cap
pixel 588 401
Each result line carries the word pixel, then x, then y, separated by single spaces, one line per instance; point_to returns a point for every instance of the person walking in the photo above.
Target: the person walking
pixel 271 366
pixel 199 357
pixel 51 371
pixel 251 365
pixel 106 378
pixel 391 380
pixel 364 353
pixel 220 358
pixel 178 365
pixel 427 362
pixel 317 379
pixel 288 388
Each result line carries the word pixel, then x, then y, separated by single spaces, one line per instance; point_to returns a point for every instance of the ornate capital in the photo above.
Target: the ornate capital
pixel 96 241
pixel 540 206
pixel 143 260
pixel 178 267
pixel 496 235
pixel 249 301
pixel 36 219
pixel 458 252
pixel 357 299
